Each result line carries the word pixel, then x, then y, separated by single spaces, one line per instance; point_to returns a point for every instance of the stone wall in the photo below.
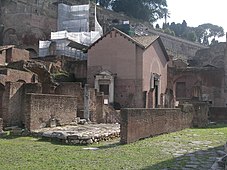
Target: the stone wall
pixel 13 75
pixel 141 123
pixel 12 104
pixel 73 89
pixel 49 110
pixel 13 101
pixel 200 117
pixel 1 125
pixel 218 114
pixel 36 21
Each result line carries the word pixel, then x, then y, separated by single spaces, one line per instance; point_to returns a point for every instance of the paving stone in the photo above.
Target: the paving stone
pixel 191 166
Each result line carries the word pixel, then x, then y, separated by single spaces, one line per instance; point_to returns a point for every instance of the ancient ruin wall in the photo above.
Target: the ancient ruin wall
pixel 12 104
pixel 1 125
pixel 42 109
pixel 218 114
pixel 141 123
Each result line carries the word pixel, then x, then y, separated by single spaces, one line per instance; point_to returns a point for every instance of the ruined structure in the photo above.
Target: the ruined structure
pixel 38 19
pixel 125 71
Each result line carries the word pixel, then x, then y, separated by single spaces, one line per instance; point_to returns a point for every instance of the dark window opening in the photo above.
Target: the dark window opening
pixel 181 90
pixel 104 88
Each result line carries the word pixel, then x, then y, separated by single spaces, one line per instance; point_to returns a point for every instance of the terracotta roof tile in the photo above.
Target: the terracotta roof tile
pixel 145 40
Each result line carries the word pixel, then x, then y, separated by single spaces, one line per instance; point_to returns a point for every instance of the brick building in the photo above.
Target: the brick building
pixel 131 71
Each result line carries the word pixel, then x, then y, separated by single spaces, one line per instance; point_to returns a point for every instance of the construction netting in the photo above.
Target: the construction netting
pixel 73 34
pixel 62 48
pixel 85 38
pixel 73 18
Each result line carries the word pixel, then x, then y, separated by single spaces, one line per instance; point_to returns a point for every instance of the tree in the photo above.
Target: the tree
pixel 148 10
pixel 207 31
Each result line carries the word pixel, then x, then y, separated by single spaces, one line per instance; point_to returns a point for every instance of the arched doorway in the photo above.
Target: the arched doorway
pixel 32 53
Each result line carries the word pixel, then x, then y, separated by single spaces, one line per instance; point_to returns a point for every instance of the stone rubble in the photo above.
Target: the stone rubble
pixel 80 134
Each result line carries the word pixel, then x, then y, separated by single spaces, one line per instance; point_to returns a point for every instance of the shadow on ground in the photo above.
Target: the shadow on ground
pixel 214 126
pixel 198 160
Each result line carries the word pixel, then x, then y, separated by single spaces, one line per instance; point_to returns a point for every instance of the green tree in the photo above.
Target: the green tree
pixel 148 10
pixel 206 31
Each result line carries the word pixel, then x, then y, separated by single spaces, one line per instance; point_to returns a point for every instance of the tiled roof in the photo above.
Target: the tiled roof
pixel 145 40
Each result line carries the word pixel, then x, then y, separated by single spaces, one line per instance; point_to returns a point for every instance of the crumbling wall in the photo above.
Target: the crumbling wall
pixel 96 106
pixel 141 123
pixel 12 104
pixel 1 125
pixel 13 75
pixel 200 116
pixel 218 114
pixel 73 89
pixel 19 54
pixel 44 110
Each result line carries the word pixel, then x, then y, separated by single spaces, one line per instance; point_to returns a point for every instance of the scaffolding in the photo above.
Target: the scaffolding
pixel 73 18
pixel 73 34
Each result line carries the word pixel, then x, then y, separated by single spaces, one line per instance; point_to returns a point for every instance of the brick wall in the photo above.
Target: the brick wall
pixel 200 117
pixel 12 104
pixel 14 75
pixel 218 114
pixel 96 105
pixel 19 54
pixel 141 123
pixel 73 89
pixel 1 125
pixel 2 60
pixel 40 109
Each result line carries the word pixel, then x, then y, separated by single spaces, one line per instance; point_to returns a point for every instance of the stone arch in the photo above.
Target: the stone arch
pixel 10 37
pixel 21 81
pixel 32 52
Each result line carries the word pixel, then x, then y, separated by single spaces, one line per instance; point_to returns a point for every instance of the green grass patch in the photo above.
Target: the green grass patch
pixel 152 153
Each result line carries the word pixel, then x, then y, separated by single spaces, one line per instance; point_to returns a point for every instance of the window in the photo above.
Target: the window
pixel 104 88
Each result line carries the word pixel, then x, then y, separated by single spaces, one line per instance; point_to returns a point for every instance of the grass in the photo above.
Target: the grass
pixel 152 153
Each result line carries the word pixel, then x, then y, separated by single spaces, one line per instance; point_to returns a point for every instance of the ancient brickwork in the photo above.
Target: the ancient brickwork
pixel 37 20
pixel 96 105
pixel 48 110
pixel 12 104
pixel 218 114
pixel 1 125
pixel 200 116
pixel 141 123
pixel 200 83
pixel 73 89
pixel 13 75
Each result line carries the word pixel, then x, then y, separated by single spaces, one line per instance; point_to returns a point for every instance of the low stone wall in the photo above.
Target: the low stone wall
pixel 218 114
pixel 141 123
pixel 43 110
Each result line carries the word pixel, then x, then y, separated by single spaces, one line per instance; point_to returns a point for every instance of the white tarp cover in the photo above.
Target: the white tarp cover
pixel 85 38
pixel 98 27
pixel 73 18
pixel 44 48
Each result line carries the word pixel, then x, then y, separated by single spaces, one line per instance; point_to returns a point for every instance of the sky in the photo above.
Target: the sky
pixel 197 12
